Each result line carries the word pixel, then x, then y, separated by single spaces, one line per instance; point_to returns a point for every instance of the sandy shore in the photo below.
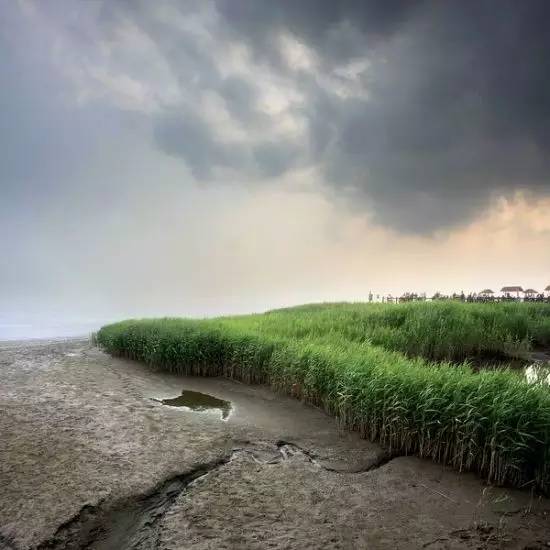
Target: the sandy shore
pixel 91 459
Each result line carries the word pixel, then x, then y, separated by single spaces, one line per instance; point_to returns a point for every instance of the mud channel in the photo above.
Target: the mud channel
pixel 104 453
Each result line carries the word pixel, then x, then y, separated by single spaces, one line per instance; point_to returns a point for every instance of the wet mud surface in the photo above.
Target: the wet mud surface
pixel 92 458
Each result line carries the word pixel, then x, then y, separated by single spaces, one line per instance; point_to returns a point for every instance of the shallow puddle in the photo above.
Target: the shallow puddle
pixel 199 402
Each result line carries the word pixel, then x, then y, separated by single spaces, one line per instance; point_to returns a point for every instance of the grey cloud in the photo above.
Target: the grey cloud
pixel 104 102
pixel 178 129
pixel 316 21
pixel 187 136
pixel 239 96
pixel 458 107
pixel 45 138
pixel 275 158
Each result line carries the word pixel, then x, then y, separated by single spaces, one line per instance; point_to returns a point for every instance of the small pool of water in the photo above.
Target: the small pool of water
pixel 535 369
pixel 538 373
pixel 199 402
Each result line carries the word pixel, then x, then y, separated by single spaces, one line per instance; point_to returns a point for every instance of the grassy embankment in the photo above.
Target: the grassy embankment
pixel 379 369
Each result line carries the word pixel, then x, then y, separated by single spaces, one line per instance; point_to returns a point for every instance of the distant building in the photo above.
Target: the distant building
pixel 509 290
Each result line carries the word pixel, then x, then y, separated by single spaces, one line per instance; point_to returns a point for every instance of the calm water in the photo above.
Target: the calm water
pixel 200 402
pixel 538 373
pixel 44 329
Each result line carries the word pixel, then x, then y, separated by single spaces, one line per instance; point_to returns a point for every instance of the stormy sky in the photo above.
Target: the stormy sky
pixel 200 158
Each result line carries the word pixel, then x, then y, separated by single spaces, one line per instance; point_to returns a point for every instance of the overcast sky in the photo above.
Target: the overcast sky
pixel 208 157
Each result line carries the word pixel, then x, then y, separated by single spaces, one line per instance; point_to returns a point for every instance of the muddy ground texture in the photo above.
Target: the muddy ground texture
pixel 90 457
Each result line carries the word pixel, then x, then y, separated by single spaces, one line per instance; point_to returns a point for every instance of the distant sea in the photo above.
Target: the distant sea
pixel 44 329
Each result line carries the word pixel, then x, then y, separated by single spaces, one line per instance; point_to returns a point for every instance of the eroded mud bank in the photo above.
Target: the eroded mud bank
pixel 90 459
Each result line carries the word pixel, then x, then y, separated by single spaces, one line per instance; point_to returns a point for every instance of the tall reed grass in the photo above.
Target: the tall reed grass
pixel 492 422
pixel 453 331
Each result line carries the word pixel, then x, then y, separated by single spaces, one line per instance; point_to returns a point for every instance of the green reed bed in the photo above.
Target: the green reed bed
pixel 492 423
pixel 437 331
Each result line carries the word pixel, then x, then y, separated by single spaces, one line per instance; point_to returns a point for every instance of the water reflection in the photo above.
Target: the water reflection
pixel 538 373
pixel 199 402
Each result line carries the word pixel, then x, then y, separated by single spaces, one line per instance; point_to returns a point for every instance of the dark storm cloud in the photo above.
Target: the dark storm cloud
pixel 186 135
pixel 418 112
pixel 44 137
pixel 315 21
pixel 458 106
pixel 239 95
pixel 274 159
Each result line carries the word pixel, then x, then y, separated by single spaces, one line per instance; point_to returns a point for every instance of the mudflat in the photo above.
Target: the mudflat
pixel 101 453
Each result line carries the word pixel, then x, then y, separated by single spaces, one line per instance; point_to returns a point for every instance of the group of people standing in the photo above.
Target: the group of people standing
pixel 482 297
